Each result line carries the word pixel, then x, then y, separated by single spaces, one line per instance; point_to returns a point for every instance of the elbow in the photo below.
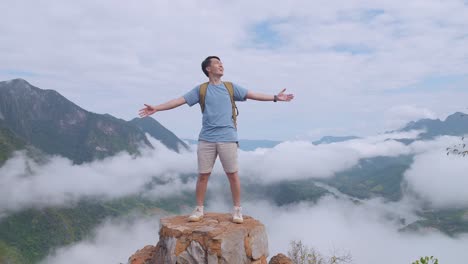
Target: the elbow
pixel 249 95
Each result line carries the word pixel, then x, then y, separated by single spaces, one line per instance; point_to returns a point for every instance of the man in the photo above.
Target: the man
pixel 218 135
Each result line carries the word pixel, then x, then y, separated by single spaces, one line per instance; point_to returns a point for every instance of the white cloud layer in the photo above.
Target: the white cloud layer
pixel 362 230
pixel 300 159
pixel 440 179
pixel 59 182
pixel 399 116
pixel 368 231
pixel 114 241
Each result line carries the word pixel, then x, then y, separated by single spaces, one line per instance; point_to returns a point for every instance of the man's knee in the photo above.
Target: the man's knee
pixel 232 175
pixel 204 176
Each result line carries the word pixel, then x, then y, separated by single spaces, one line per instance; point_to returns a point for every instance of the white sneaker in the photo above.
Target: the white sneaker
pixel 237 215
pixel 196 215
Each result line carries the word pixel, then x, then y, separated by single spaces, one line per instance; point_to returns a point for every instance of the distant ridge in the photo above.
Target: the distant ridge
pixel 333 139
pixel 454 125
pixel 158 131
pixel 55 125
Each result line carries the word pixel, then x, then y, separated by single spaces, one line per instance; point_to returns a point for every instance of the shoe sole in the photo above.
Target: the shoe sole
pixel 238 221
pixel 195 219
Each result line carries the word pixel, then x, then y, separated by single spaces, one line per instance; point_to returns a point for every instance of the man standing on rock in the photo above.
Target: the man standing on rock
pixel 218 135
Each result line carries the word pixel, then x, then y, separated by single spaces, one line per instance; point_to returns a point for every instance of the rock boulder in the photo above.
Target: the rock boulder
pixel 213 240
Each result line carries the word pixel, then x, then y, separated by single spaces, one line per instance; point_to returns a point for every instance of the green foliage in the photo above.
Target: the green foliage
pixel 380 176
pixel 287 192
pixel 426 260
pixel 10 254
pixel 9 142
pixel 302 254
pixel 30 235
pixel 55 125
pixel 284 192
pixel 460 149
pixel 449 221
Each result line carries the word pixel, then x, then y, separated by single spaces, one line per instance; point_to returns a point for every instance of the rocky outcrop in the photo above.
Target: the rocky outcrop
pixel 280 259
pixel 213 240
pixel 145 255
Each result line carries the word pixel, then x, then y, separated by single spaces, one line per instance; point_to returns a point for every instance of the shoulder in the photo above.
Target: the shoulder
pixel 237 86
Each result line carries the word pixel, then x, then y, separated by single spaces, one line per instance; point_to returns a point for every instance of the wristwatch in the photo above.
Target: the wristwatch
pixel 275 98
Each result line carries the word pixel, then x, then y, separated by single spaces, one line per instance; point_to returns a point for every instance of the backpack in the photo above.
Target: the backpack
pixel 230 88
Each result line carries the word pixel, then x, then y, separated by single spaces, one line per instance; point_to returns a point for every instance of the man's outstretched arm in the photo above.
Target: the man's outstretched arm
pixel 151 109
pixel 268 97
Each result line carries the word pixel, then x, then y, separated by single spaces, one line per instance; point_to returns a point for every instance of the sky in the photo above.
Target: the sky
pixel 332 224
pixel 356 67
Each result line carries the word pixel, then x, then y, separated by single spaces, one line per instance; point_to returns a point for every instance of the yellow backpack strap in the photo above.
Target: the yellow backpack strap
pixel 202 93
pixel 235 111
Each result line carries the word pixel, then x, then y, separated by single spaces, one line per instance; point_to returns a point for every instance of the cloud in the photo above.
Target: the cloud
pixel 59 182
pixel 438 178
pixel 399 116
pixel 300 159
pixel 368 230
pixel 114 241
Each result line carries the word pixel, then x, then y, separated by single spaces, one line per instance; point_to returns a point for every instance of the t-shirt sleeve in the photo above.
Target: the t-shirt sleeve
pixel 193 96
pixel 240 93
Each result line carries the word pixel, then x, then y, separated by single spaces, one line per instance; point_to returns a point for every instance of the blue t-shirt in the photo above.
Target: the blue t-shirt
pixel 217 125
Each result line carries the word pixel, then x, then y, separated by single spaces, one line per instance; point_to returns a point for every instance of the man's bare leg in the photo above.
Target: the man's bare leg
pixel 200 190
pixel 235 191
pixel 235 187
pixel 202 183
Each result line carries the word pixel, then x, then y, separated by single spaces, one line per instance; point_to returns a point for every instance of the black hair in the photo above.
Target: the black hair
pixel 206 63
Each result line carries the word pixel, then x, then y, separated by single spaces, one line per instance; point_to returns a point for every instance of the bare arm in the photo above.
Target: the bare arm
pixel 151 109
pixel 269 97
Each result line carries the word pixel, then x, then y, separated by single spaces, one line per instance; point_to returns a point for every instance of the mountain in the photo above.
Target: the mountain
pixel 50 122
pixel 332 139
pixel 454 125
pixel 159 132
pixel 9 142
pixel 252 144
pixel 373 177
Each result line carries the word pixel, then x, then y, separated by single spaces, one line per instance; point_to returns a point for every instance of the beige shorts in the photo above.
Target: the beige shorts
pixel 208 151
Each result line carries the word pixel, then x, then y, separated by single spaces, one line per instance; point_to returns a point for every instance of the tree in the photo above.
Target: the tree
pixel 427 260
pixel 301 254
pixel 461 148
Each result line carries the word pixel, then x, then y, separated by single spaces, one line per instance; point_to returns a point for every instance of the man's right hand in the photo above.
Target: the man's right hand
pixel 147 111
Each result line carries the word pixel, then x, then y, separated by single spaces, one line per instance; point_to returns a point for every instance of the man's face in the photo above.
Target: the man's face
pixel 216 68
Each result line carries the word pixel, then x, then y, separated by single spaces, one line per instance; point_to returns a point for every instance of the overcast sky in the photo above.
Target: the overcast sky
pixel 356 67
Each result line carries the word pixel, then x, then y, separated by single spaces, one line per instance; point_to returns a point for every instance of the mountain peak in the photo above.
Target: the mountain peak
pixel 455 125
pixel 456 116
pixel 18 82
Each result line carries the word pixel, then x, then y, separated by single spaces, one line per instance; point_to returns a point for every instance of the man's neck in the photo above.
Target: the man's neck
pixel 216 80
